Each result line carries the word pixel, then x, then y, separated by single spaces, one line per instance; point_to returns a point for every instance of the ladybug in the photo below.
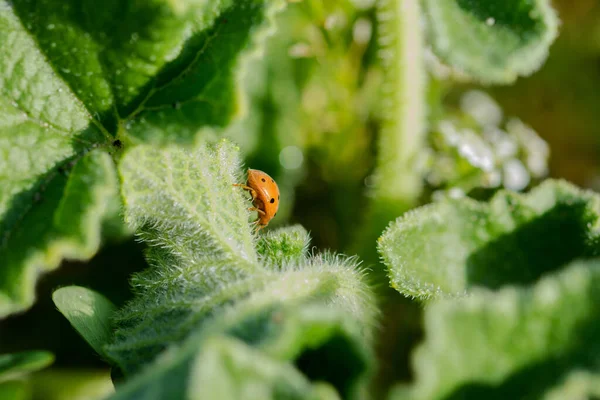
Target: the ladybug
pixel 265 196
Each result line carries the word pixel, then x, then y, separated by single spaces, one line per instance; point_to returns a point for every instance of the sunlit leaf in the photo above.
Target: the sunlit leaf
pixel 65 220
pixel 305 352
pixel 447 248
pixel 212 274
pixel 284 246
pixel 73 79
pixel 494 42
pixel 88 311
pixel 519 342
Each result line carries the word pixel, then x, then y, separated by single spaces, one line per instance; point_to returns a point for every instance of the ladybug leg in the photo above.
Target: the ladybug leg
pixel 256 209
pixel 248 188
pixel 257 226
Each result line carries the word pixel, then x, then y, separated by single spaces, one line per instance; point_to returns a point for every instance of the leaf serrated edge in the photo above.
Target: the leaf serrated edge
pixel 482 301
pixel 540 50
pixel 209 148
pixel 413 217
pixel 58 249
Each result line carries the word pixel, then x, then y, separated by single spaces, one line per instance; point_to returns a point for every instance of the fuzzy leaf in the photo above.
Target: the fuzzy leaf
pixel 447 248
pixel 494 42
pixel 16 364
pixel 65 221
pixel 514 343
pixel 284 246
pixel 183 203
pixel 160 70
pixel 229 369
pixel 74 78
pixel 206 278
pixel 295 340
pixel 42 127
pixel 88 311
pixel 201 88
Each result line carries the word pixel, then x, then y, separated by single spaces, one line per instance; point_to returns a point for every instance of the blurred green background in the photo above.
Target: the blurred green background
pixel 312 123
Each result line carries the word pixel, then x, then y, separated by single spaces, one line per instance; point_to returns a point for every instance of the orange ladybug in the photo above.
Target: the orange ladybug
pixel 265 196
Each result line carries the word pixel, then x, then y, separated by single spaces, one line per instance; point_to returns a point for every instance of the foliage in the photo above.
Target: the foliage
pixel 74 78
pixel 210 286
pixel 89 313
pixel 526 314
pixel 517 342
pixel 140 125
pixel 447 248
pixel 510 39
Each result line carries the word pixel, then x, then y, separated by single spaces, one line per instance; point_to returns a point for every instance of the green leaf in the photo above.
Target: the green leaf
pixel 206 276
pixel 75 78
pixel 160 70
pixel 201 87
pixel 447 248
pixel 284 246
pixel 315 338
pixel 42 127
pixel 88 311
pixel 15 365
pixel 183 202
pixel 299 351
pixel 494 42
pixel 64 222
pixel 514 343
pixel 229 369
pixel 180 197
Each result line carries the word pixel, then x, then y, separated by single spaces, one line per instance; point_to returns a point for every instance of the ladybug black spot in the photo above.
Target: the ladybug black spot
pixel 263 179
pixel 277 197
pixel 272 200
pixel 272 181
